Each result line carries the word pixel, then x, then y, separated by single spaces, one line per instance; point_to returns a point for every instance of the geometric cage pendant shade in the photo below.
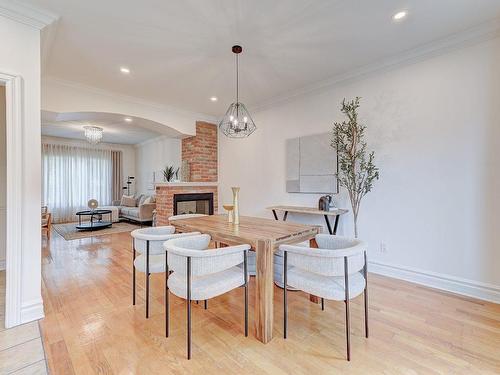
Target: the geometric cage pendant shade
pixel 237 122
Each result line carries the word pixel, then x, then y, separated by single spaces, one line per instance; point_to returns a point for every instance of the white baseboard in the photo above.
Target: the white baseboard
pixel 483 291
pixel 2 265
pixel 33 310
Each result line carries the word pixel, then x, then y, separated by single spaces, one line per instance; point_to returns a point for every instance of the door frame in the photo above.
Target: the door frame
pixel 15 127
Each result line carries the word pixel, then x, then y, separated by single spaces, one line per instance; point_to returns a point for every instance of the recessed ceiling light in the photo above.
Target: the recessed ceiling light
pixel 213 99
pixel 400 15
pixel 128 119
pixel 125 70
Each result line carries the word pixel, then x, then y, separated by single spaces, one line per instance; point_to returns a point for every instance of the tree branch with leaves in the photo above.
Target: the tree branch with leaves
pixel 357 170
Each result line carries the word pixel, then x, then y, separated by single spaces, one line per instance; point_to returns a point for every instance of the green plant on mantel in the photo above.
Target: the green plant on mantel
pixel 357 170
pixel 169 172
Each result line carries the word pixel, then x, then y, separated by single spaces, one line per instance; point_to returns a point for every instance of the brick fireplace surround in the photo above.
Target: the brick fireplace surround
pixel 165 197
pixel 201 153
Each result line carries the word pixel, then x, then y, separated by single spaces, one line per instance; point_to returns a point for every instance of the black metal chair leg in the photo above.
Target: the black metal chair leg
pixel 167 307
pixel 365 273
pixel 347 312
pixel 322 304
pixel 188 299
pixel 133 273
pixel 285 320
pixel 147 279
pixel 206 304
pixel 245 270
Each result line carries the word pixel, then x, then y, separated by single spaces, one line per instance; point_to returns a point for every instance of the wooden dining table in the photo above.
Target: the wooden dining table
pixel 264 236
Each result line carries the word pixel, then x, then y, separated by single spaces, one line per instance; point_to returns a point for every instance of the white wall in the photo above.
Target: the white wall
pixel 128 151
pixel 153 156
pixel 3 176
pixel 435 128
pixel 60 96
pixel 20 55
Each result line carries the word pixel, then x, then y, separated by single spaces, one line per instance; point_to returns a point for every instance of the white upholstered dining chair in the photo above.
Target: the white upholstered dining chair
pixel 148 242
pixel 201 274
pixel 336 270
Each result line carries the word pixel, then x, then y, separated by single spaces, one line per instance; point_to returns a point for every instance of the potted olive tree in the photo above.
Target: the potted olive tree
pixel 357 171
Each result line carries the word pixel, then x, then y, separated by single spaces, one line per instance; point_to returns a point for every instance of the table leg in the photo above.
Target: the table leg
pixel 275 215
pixel 328 224
pixel 312 298
pixel 336 224
pixel 264 291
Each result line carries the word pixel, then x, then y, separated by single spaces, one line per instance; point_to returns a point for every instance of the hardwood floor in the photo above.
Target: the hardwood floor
pixel 21 350
pixel 91 326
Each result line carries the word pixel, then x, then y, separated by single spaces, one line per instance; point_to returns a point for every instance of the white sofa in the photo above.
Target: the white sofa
pixel 142 212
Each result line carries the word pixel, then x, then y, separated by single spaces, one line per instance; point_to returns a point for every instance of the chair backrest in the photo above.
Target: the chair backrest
pixel 328 258
pixel 156 237
pixel 203 261
pixel 185 216
pixel 45 210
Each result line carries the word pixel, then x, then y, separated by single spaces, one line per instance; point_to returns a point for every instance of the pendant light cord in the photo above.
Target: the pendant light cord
pixel 237 80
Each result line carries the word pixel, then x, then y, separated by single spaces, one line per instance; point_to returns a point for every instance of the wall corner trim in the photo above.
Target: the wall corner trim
pixel 470 288
pixel 27 14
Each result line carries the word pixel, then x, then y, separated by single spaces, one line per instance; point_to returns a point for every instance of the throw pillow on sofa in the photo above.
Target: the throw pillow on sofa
pixel 127 201
pixel 149 199
pixel 142 200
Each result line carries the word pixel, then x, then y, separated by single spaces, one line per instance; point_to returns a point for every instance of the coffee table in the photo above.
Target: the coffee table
pixel 93 223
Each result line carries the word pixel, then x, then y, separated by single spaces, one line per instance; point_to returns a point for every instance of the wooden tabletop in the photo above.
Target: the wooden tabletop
pixel 309 210
pixel 250 229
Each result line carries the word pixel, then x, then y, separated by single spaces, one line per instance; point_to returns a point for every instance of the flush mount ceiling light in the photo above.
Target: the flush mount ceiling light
pixel 125 70
pixel 400 15
pixel 237 122
pixel 128 119
pixel 213 99
pixel 93 134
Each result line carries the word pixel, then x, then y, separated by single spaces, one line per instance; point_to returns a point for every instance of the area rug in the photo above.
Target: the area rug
pixel 69 232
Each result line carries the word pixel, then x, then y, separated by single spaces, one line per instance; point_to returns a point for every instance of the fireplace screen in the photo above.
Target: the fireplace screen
pixel 194 204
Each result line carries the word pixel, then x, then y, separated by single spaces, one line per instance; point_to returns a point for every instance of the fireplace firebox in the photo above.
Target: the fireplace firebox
pixel 197 203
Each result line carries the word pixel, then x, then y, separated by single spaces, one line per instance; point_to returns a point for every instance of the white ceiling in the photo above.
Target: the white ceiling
pixel 179 51
pixel 115 128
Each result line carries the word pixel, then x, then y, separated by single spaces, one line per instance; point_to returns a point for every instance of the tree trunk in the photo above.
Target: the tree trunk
pixel 355 226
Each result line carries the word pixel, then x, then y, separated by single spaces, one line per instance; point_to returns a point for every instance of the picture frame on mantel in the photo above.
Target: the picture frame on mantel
pixel 311 165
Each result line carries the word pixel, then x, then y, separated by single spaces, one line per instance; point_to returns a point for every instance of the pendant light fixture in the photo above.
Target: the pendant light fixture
pixel 93 134
pixel 237 122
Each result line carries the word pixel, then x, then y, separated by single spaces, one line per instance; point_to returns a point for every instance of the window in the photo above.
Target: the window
pixel 71 176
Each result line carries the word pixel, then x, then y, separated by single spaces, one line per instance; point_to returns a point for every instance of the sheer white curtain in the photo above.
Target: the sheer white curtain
pixel 71 176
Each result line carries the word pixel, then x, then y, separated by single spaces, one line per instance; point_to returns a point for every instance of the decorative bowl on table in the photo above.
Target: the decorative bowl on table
pixel 229 208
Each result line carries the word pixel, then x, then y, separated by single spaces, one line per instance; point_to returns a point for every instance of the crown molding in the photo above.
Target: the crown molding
pixel 26 14
pixel 132 99
pixel 475 35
